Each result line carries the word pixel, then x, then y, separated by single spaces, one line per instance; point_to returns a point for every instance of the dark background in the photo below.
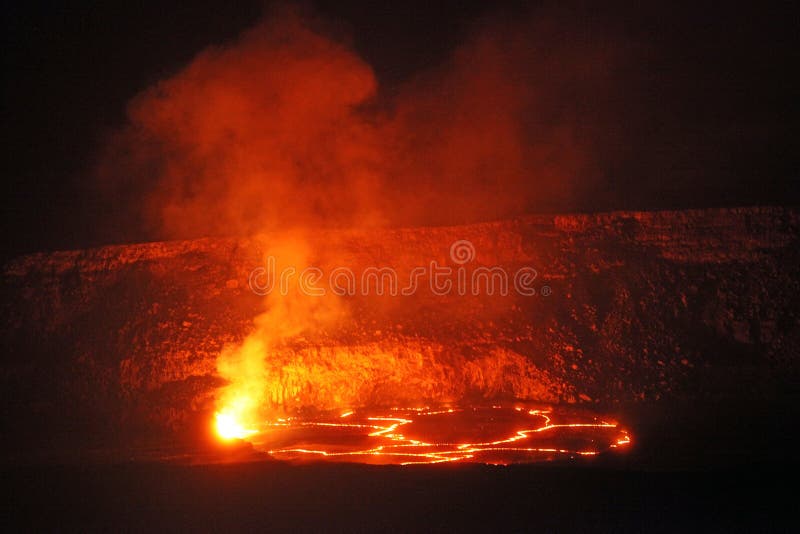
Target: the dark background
pixel 719 85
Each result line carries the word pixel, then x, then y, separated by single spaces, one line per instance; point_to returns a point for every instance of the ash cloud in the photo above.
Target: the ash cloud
pixel 289 127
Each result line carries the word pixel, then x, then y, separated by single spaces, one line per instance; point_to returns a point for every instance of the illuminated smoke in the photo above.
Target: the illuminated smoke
pixel 254 384
pixel 286 129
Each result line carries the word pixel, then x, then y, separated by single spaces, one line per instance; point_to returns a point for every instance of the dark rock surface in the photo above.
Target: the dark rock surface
pixel 638 307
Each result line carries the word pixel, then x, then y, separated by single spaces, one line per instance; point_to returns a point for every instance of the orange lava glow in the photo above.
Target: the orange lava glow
pixel 492 435
pixel 228 427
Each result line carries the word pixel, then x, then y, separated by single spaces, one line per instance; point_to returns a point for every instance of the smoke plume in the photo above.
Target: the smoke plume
pixel 287 127
pixel 287 130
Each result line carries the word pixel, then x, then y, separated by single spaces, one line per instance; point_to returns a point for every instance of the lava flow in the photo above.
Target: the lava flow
pixel 491 435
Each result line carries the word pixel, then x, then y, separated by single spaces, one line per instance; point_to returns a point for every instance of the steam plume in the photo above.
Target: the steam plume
pixel 287 127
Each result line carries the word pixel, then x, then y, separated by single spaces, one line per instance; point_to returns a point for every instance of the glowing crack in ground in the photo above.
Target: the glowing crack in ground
pixel 493 435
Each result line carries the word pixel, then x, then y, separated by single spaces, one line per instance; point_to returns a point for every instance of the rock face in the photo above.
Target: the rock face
pixel 627 307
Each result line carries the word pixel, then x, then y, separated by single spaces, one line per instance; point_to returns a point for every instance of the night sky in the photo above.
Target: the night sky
pixel 711 98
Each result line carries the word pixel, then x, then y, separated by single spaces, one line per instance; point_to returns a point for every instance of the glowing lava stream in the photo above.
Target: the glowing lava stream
pixel 377 438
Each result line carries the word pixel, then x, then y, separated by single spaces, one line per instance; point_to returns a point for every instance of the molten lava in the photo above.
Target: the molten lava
pixel 228 427
pixel 279 382
pixel 241 400
pixel 494 435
